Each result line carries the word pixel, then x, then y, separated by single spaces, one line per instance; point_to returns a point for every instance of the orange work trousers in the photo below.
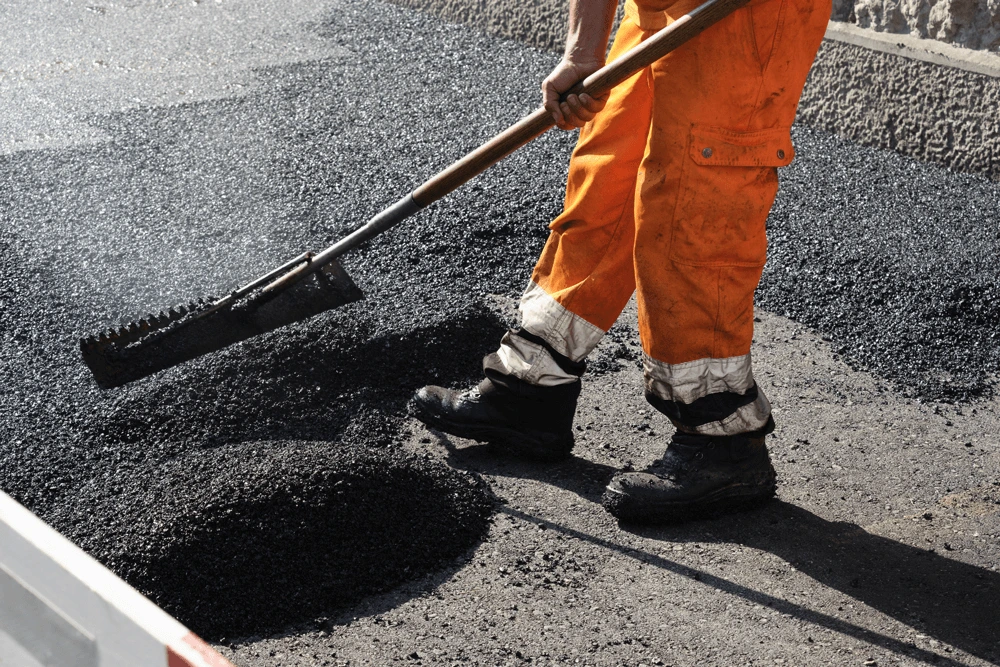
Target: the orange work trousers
pixel 668 193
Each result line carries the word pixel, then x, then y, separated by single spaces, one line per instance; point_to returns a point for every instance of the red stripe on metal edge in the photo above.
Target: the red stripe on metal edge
pixel 208 656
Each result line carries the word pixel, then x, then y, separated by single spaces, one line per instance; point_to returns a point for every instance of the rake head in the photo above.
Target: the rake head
pixel 157 342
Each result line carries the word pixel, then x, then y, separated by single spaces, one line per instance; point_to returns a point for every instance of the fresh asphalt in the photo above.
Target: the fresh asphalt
pixel 137 178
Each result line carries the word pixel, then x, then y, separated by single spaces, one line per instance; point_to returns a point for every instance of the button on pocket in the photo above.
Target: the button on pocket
pixel 727 188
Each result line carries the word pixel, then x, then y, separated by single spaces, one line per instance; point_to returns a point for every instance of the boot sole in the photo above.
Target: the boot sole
pixel 727 500
pixel 507 439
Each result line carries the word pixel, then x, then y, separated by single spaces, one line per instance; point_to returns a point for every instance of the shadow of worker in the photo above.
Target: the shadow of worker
pixel 578 475
pixel 953 602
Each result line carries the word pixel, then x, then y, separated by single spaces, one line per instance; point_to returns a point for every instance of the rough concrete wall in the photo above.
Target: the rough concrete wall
pixel 971 23
pixel 934 113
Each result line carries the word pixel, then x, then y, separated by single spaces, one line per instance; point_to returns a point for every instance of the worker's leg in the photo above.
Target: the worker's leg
pixel 581 283
pixel 585 276
pixel 723 107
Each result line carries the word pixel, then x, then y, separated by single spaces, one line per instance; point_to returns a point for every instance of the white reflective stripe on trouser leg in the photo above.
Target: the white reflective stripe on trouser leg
pixel 569 334
pixel 531 362
pixel 687 382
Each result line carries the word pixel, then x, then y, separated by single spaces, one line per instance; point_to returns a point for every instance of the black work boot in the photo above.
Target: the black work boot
pixel 699 476
pixel 526 420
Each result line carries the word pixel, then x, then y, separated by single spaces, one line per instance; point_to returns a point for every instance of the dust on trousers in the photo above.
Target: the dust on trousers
pixel 668 194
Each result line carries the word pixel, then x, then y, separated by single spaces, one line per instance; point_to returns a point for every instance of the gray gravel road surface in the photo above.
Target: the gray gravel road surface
pixel 220 138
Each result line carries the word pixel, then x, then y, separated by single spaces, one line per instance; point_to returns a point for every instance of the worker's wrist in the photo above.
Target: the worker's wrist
pixel 583 51
pixel 583 57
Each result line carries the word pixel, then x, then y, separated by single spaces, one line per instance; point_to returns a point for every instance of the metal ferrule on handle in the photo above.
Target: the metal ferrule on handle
pixel 390 217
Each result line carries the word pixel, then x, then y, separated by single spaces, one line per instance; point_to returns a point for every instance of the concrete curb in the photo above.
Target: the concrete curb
pixel 922 103
pixel 916 48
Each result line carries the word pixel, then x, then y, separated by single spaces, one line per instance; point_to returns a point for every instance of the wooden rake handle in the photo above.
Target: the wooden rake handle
pixel 528 128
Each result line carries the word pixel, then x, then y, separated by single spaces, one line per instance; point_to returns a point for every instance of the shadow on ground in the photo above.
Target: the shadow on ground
pixel 951 601
pixel 585 478
pixel 948 600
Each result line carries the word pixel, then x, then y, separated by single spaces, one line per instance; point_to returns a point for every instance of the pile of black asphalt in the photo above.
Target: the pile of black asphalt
pixel 271 532
pixel 264 486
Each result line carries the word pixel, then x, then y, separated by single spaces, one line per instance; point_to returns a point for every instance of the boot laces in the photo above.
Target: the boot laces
pixel 677 462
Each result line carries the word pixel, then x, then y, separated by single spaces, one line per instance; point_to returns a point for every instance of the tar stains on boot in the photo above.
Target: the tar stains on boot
pixel 526 420
pixel 697 477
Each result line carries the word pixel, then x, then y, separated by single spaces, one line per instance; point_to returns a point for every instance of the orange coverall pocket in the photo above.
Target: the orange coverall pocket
pixel 728 185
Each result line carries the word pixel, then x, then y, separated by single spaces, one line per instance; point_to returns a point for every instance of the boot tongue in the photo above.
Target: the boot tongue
pixel 676 460
pixel 684 451
pixel 484 388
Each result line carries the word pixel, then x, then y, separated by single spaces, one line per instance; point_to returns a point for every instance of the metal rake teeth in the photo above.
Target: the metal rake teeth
pixel 134 331
pixel 290 293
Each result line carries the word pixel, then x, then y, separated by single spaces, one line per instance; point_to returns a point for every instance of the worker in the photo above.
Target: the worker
pixel 669 188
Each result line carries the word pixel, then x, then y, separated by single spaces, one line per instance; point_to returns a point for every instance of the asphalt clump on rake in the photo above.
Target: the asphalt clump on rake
pixel 194 199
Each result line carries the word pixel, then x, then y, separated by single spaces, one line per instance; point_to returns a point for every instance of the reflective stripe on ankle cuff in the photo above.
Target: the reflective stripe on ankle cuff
pixel 689 381
pixel 531 362
pixel 750 417
pixel 569 334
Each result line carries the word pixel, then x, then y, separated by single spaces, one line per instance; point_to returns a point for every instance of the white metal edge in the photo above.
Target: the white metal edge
pixel 916 48
pixel 130 630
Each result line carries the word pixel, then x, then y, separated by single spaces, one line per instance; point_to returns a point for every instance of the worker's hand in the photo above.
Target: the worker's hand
pixel 576 110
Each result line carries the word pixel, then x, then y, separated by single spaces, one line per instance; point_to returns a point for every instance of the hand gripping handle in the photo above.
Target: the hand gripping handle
pixel 595 85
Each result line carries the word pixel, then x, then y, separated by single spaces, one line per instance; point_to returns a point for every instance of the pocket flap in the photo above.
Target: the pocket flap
pixel 730 148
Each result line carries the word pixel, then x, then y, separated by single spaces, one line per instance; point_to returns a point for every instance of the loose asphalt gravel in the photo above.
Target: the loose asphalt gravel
pixel 893 260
